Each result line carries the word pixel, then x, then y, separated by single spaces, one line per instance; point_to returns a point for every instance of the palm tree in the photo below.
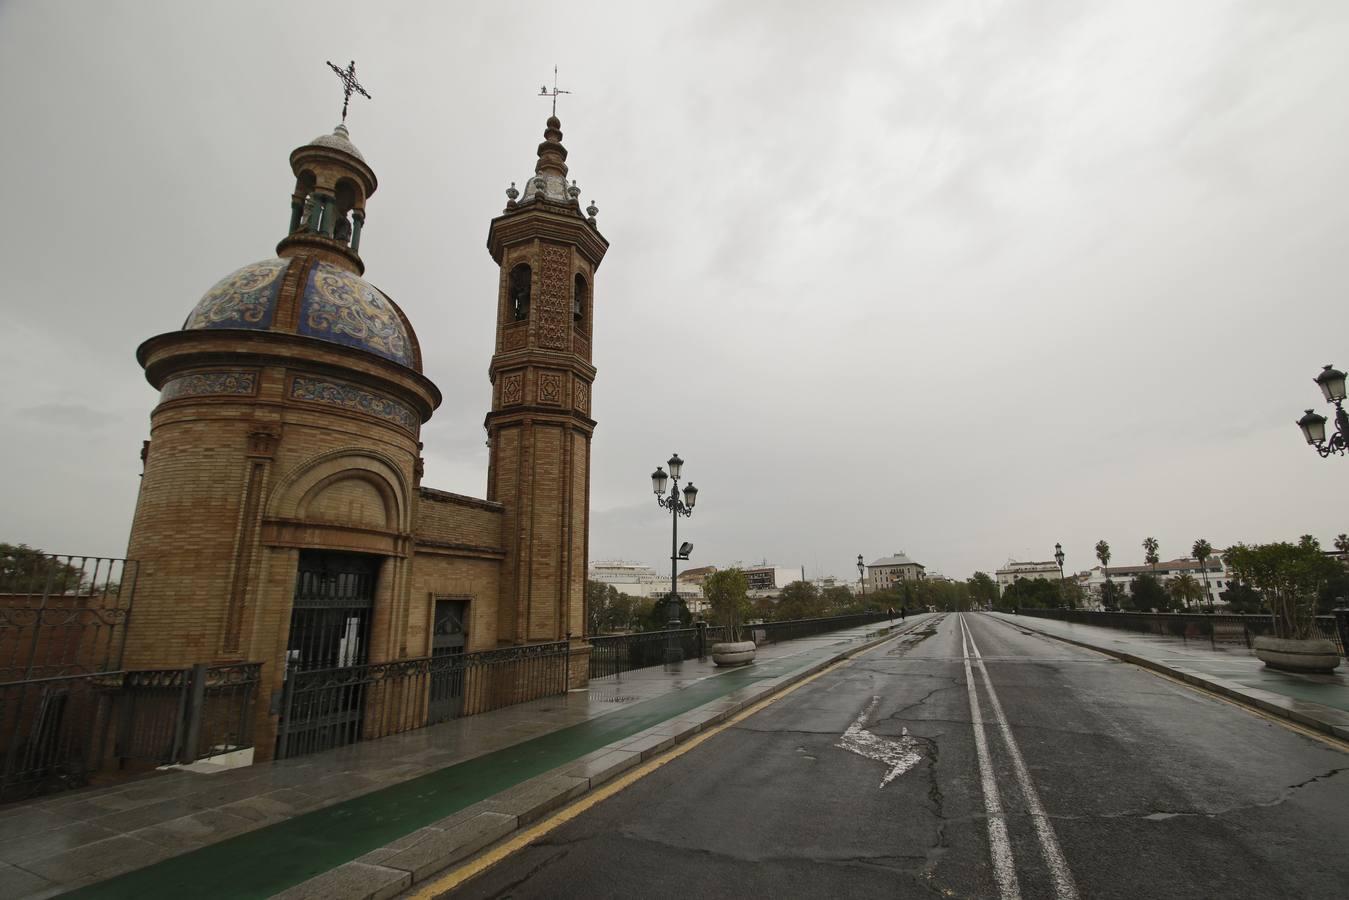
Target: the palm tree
pixel 1202 550
pixel 1342 543
pixel 1184 588
pixel 1103 554
pixel 1150 556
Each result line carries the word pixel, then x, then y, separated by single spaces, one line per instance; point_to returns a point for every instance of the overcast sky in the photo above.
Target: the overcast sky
pixel 958 279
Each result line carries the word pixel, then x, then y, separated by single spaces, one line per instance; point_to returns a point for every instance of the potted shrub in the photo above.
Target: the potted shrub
pixel 1289 576
pixel 727 595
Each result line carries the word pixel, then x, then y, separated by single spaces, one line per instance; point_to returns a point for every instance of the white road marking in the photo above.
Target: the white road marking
pixel 1000 848
pixel 1064 886
pixel 900 755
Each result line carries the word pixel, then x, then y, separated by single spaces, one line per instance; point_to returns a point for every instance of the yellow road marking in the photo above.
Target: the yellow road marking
pixel 475 867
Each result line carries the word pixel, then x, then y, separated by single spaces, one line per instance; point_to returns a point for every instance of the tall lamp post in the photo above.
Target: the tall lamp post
pixel 862 574
pixel 1058 558
pixel 1313 424
pixel 677 508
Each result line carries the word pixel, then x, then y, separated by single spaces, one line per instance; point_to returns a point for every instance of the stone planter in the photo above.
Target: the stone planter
pixel 736 653
pixel 1316 655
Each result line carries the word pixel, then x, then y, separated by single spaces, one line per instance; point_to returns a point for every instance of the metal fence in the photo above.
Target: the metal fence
pixel 617 653
pixel 55 733
pixel 773 632
pixel 1211 628
pixel 62 614
pixel 326 708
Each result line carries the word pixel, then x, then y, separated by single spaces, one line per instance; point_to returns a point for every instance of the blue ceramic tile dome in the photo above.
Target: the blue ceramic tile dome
pixel 335 306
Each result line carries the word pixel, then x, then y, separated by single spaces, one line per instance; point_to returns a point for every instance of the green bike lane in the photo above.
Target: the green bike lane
pixel 273 858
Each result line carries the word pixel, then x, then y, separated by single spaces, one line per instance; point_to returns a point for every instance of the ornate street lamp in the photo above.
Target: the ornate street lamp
pixel 1313 425
pixel 1058 558
pixel 862 574
pixel 677 508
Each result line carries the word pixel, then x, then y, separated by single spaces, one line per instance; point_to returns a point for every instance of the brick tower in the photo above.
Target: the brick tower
pixel 540 425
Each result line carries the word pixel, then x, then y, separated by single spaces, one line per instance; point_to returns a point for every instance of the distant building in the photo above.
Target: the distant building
pixel 1041 571
pixel 768 580
pixel 889 571
pixel 640 580
pixel 1219 577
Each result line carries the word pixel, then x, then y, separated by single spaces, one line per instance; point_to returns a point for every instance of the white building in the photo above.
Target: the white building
pixel 639 580
pixel 1219 577
pixel 1040 571
pixel 889 571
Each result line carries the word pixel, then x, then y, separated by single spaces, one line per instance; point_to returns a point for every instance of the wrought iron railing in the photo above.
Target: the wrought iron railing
pixel 57 732
pixel 326 708
pixel 61 614
pixel 1212 628
pixel 613 654
pixel 773 632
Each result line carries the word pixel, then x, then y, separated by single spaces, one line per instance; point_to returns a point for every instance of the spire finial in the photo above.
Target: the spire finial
pixel 349 85
pixel 544 92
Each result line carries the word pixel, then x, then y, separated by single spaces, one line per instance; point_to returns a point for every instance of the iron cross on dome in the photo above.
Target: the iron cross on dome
pixel 349 85
pixel 544 92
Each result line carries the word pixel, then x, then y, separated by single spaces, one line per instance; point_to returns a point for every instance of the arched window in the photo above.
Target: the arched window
pixel 301 207
pixel 578 302
pixel 346 201
pixel 517 296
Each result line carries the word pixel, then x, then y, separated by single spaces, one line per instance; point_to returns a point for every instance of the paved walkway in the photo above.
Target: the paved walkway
pixel 255 831
pixel 1320 701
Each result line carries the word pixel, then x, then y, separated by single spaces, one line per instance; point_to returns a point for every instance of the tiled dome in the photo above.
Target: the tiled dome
pixel 335 305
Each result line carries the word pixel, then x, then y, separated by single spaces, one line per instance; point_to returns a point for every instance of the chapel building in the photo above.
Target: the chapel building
pixel 282 517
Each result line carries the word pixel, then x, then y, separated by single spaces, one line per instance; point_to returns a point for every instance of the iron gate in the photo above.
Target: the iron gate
pixel 329 636
pixel 448 636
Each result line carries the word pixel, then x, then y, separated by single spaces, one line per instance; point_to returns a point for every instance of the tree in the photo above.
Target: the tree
pixel 727 595
pixel 1146 592
pixel 838 600
pixel 1150 547
pixel 800 600
pixel 28 570
pixel 1342 542
pixel 983 590
pixel 1290 576
pixel 1184 588
pixel 1202 550
pixel 1242 598
pixel 1107 589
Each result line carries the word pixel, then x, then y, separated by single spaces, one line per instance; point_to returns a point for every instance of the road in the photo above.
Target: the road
pixel 970 759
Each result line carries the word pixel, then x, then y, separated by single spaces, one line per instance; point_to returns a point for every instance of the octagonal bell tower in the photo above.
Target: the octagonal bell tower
pixel 540 425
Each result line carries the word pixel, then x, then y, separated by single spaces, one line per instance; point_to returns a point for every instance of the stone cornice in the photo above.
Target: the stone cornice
pixel 536 222
pixel 439 496
pixel 167 354
pixel 541 414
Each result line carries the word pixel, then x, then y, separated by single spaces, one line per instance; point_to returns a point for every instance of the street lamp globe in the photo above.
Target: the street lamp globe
pixel 675 464
pixel 658 481
pixel 690 495
pixel 1313 427
pixel 1058 554
pixel 1331 381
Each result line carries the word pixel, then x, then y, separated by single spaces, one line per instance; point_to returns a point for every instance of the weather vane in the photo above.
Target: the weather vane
pixel 544 92
pixel 349 84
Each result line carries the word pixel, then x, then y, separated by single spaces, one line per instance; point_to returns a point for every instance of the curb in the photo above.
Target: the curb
pixel 1312 715
pixel 394 868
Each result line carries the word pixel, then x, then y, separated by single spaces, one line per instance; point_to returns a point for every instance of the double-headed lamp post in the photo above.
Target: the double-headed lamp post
pixel 1058 558
pixel 677 508
pixel 862 574
pixel 1313 424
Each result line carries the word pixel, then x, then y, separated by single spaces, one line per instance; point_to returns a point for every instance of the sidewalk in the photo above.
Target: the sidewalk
pixel 1320 702
pixel 406 805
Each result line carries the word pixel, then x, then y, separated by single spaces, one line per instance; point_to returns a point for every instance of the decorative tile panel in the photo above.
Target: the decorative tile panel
pixel 550 388
pixel 347 396
pixel 554 298
pixel 512 389
pixel 581 396
pixel 340 307
pixel 205 384
pixel 242 299
pixel 515 336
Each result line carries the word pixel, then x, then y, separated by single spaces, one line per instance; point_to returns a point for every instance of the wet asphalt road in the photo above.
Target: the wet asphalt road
pixel 1148 789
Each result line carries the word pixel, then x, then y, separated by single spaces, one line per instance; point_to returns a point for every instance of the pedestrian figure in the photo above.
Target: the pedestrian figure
pixel 891 611
pixel 903 611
